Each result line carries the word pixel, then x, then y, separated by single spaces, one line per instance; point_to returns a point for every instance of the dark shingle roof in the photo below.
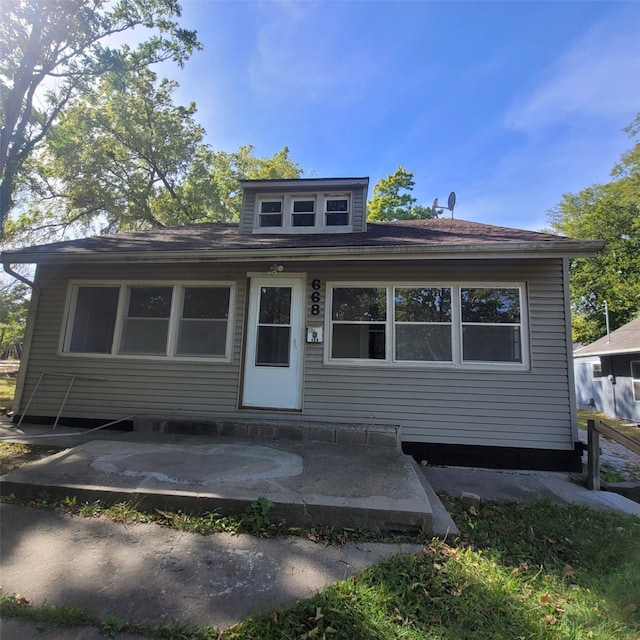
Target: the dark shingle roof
pixel 626 339
pixel 223 240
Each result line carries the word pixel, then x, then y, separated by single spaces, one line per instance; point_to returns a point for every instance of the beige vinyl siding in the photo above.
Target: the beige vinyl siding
pixel 478 406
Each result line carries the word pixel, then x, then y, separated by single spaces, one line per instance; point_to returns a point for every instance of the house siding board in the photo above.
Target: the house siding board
pixel 445 405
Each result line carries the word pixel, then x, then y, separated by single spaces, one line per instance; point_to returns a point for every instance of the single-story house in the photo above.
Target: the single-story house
pixel 607 373
pixel 455 331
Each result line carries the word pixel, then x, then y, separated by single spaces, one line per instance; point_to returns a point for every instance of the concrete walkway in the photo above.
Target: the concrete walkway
pixel 151 574
pixel 309 483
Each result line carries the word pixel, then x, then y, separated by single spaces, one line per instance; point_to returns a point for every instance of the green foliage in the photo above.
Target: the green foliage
pixel 257 515
pixel 126 158
pixel 610 212
pixel 14 306
pixel 392 199
pixel 67 41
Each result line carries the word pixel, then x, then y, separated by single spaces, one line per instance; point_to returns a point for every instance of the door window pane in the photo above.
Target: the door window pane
pixel 274 327
pixel 273 346
pixel 94 319
pixel 146 322
pixel 275 305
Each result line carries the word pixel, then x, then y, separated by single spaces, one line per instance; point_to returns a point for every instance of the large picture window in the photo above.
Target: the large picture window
pixel 157 320
pixel 426 324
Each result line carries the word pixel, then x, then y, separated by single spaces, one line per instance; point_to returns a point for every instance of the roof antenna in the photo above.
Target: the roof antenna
pixel 451 203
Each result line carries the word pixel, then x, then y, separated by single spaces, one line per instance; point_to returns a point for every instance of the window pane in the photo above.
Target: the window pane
pixel 271 220
pixel 94 320
pixel 635 374
pixel 337 212
pixel 304 219
pixel 202 338
pixel 337 205
pixel 362 341
pixel 491 344
pixel 271 207
pixel 273 347
pixel 275 305
pixel 145 336
pixel 423 305
pixel 359 304
pixel 303 206
pixel 146 322
pixel 490 305
pixel 423 342
pixel 149 302
pixel 206 302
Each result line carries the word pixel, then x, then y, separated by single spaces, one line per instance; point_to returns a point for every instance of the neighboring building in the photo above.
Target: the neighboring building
pixel 607 373
pixel 456 331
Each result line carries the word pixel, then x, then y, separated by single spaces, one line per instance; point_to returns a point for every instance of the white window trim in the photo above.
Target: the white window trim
pixel 287 199
pixel 456 328
pixel 633 380
pixel 174 320
pixel 592 366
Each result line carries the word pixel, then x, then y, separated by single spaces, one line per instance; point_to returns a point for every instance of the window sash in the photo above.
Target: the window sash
pixel 152 320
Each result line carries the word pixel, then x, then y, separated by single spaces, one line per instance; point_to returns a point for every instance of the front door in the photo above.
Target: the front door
pixel 273 357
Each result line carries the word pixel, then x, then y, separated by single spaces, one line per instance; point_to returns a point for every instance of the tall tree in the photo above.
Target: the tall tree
pixel 610 212
pixel 51 50
pixel 124 157
pixel 392 199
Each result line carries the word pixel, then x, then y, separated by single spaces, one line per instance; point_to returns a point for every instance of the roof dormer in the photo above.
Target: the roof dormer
pixel 304 205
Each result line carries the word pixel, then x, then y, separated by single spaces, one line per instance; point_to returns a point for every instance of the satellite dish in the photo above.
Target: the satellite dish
pixel 452 202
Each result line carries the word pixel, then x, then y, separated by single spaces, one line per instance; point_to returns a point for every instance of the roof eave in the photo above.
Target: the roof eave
pixel 499 250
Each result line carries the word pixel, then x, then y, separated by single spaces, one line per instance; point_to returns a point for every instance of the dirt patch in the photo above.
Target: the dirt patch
pixel 14 455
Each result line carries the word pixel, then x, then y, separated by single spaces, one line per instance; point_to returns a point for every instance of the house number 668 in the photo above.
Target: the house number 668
pixel 315 298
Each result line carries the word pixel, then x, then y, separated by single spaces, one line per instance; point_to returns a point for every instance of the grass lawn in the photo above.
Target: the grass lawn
pixel 7 390
pixel 621 425
pixel 530 571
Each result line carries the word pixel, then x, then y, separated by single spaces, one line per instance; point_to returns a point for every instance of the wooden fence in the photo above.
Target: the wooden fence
pixel 594 429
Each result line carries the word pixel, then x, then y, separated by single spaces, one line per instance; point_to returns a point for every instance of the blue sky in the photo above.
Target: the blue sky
pixel 509 104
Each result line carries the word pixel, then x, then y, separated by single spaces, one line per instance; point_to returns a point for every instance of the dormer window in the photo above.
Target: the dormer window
pixel 336 212
pixel 304 212
pixel 301 206
pixel 270 213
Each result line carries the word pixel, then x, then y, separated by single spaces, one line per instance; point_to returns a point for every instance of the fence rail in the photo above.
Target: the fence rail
pixel 594 429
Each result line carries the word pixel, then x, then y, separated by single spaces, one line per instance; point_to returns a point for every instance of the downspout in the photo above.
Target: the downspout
pixel 33 305
pixel 17 276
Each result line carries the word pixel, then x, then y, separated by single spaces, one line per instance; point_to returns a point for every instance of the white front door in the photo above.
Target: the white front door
pixel 273 356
